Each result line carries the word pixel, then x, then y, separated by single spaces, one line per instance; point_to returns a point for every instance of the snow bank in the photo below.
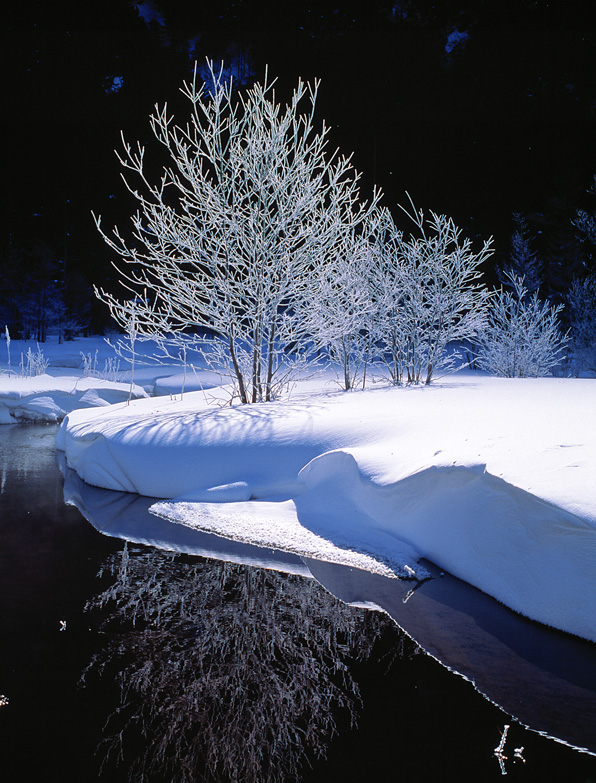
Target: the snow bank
pixel 48 398
pixel 545 680
pixel 531 555
pixel 86 373
pixel 492 479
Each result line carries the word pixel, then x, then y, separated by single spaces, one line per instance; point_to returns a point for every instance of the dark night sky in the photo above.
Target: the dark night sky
pixel 477 108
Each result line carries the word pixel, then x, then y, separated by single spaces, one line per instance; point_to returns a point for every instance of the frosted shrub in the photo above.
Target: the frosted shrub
pixel 33 363
pixel 582 318
pixel 341 312
pixel 89 365
pixel 522 337
pixel 110 371
pixel 429 294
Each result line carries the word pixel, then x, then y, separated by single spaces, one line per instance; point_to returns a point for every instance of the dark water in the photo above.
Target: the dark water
pixel 194 660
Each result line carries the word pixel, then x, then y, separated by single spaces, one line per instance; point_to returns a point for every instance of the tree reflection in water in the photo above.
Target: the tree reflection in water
pixel 226 673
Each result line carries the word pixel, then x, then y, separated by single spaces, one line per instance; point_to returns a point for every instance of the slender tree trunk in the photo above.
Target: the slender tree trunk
pixel 270 362
pixel 346 355
pixel 239 378
pixel 256 364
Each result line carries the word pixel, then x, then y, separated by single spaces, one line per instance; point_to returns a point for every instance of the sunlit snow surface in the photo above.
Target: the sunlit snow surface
pixel 492 479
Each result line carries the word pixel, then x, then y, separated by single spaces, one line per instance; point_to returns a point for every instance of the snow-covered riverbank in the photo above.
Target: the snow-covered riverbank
pixel 49 398
pixel 492 479
pixel 83 373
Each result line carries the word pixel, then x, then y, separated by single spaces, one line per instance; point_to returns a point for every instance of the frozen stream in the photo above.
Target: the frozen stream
pixel 415 716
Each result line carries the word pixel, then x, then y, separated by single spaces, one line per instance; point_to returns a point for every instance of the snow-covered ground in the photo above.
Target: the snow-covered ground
pixel 84 373
pixel 49 398
pixel 492 479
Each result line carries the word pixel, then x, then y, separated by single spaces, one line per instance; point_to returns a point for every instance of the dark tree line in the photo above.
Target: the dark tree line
pixel 478 109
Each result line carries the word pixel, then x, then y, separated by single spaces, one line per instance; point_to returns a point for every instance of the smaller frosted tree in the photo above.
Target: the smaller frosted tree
pixel 522 337
pixel 386 289
pixel 582 319
pixel 523 261
pixel 340 309
pixel 403 299
pixel 586 225
pixel 585 222
pixel 432 295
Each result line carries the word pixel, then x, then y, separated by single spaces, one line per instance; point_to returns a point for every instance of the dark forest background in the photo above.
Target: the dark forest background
pixel 479 109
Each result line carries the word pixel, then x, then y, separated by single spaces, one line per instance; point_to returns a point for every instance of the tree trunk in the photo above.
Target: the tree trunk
pixel 239 378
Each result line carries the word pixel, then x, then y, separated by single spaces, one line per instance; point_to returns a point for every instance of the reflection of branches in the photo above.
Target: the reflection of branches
pixel 499 751
pixel 234 672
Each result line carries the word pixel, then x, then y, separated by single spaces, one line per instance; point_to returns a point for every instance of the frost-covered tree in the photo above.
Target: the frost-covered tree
pixel 522 337
pixel 387 285
pixel 227 241
pixel 400 299
pixel 523 261
pixel 585 222
pixel 430 292
pixel 340 309
pixel 582 318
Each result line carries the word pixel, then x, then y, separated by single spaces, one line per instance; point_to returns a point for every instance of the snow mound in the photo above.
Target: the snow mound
pixel 528 554
pixel 179 382
pixel 168 448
